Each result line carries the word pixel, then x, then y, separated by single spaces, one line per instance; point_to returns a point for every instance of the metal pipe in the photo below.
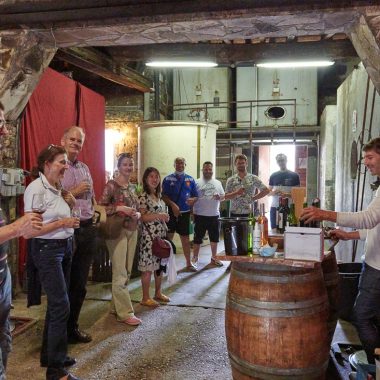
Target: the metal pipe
pixel 250 140
pixel 198 151
pixel 355 243
pixel 369 138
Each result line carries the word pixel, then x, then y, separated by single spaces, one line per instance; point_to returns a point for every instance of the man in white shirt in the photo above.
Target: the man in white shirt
pixel 367 305
pixel 206 212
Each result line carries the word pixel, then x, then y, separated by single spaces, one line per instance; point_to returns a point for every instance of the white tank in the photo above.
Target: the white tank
pixel 160 142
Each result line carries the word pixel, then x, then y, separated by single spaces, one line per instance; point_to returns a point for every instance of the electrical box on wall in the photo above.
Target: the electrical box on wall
pixel 12 182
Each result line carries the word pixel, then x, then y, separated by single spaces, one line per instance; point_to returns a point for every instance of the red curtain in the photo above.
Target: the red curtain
pixel 57 103
pixel 91 118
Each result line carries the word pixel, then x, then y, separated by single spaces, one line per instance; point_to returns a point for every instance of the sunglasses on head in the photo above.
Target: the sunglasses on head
pixel 124 155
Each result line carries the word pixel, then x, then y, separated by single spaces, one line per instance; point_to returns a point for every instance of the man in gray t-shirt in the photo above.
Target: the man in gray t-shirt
pixel 206 212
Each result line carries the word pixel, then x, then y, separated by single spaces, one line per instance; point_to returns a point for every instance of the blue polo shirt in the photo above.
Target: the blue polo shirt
pixel 179 188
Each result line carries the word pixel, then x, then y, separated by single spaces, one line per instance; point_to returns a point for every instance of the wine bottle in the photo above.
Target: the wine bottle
pixel 277 209
pixel 282 217
pixel 287 211
pixel 316 203
pixel 292 219
pixel 302 222
pixel 251 223
pixel 263 223
pixel 256 239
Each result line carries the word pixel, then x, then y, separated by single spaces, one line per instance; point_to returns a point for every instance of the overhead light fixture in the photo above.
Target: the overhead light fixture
pixel 181 64
pixel 295 64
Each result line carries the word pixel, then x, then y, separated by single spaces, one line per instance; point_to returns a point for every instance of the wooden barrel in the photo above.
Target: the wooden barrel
pixel 331 277
pixel 276 322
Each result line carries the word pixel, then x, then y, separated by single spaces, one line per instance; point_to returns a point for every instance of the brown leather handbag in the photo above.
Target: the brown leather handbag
pixel 160 247
pixel 112 227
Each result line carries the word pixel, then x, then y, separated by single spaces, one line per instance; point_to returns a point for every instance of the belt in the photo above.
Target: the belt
pixel 85 223
pixel 59 242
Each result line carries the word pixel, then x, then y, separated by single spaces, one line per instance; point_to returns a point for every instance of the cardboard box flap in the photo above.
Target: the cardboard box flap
pixel 303 230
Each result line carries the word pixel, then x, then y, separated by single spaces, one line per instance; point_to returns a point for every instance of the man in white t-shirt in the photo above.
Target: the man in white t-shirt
pixel 206 212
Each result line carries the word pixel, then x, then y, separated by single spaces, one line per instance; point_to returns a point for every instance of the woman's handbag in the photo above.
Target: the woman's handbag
pixel 161 248
pixel 112 227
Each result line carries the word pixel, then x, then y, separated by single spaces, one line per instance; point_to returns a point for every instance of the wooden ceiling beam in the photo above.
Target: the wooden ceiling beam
pixel 226 54
pixel 92 60
pixel 27 12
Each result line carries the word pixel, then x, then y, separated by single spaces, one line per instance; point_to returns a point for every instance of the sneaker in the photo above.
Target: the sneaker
pixel 194 261
pixel 132 321
pixel 216 262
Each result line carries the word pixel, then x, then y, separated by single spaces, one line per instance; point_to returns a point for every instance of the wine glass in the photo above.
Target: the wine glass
pixel 76 213
pixel 87 178
pixel 39 203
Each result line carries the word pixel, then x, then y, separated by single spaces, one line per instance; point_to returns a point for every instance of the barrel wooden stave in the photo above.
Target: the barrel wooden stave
pixel 276 322
pixel 330 272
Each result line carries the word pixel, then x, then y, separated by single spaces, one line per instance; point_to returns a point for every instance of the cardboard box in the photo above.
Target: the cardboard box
pixel 302 243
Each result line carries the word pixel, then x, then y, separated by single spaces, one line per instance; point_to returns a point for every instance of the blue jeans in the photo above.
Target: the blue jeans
pixel 5 307
pixel 367 310
pixel 53 260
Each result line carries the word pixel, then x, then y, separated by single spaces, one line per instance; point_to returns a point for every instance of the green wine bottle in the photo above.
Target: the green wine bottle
pixel 292 219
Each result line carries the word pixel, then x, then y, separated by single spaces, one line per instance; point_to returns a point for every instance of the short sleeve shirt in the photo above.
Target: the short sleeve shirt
pixel 206 205
pixel 284 180
pixel 57 208
pixel 251 183
pixel 179 188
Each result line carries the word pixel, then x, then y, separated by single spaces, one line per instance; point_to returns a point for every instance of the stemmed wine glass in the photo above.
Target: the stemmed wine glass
pixel 39 203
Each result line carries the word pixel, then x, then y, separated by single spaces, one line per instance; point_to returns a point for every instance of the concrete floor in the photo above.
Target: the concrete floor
pixel 183 340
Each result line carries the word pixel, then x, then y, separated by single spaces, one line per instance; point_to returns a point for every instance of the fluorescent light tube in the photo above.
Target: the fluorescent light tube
pixel 295 64
pixel 181 64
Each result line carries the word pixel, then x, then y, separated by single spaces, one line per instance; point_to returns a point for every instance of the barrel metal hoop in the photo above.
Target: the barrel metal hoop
pixel 277 309
pixel 268 373
pixel 301 278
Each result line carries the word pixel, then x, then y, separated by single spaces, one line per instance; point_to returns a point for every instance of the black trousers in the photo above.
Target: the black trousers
pixel 85 248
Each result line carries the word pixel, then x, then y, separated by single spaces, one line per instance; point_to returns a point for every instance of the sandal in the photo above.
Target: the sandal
pixel 150 303
pixel 162 298
pixel 216 262
pixel 194 261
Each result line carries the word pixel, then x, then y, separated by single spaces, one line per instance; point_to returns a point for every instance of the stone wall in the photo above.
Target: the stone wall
pixel 122 115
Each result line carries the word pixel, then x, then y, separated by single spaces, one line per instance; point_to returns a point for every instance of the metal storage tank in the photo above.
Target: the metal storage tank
pixel 295 90
pixel 160 142
pixel 193 88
